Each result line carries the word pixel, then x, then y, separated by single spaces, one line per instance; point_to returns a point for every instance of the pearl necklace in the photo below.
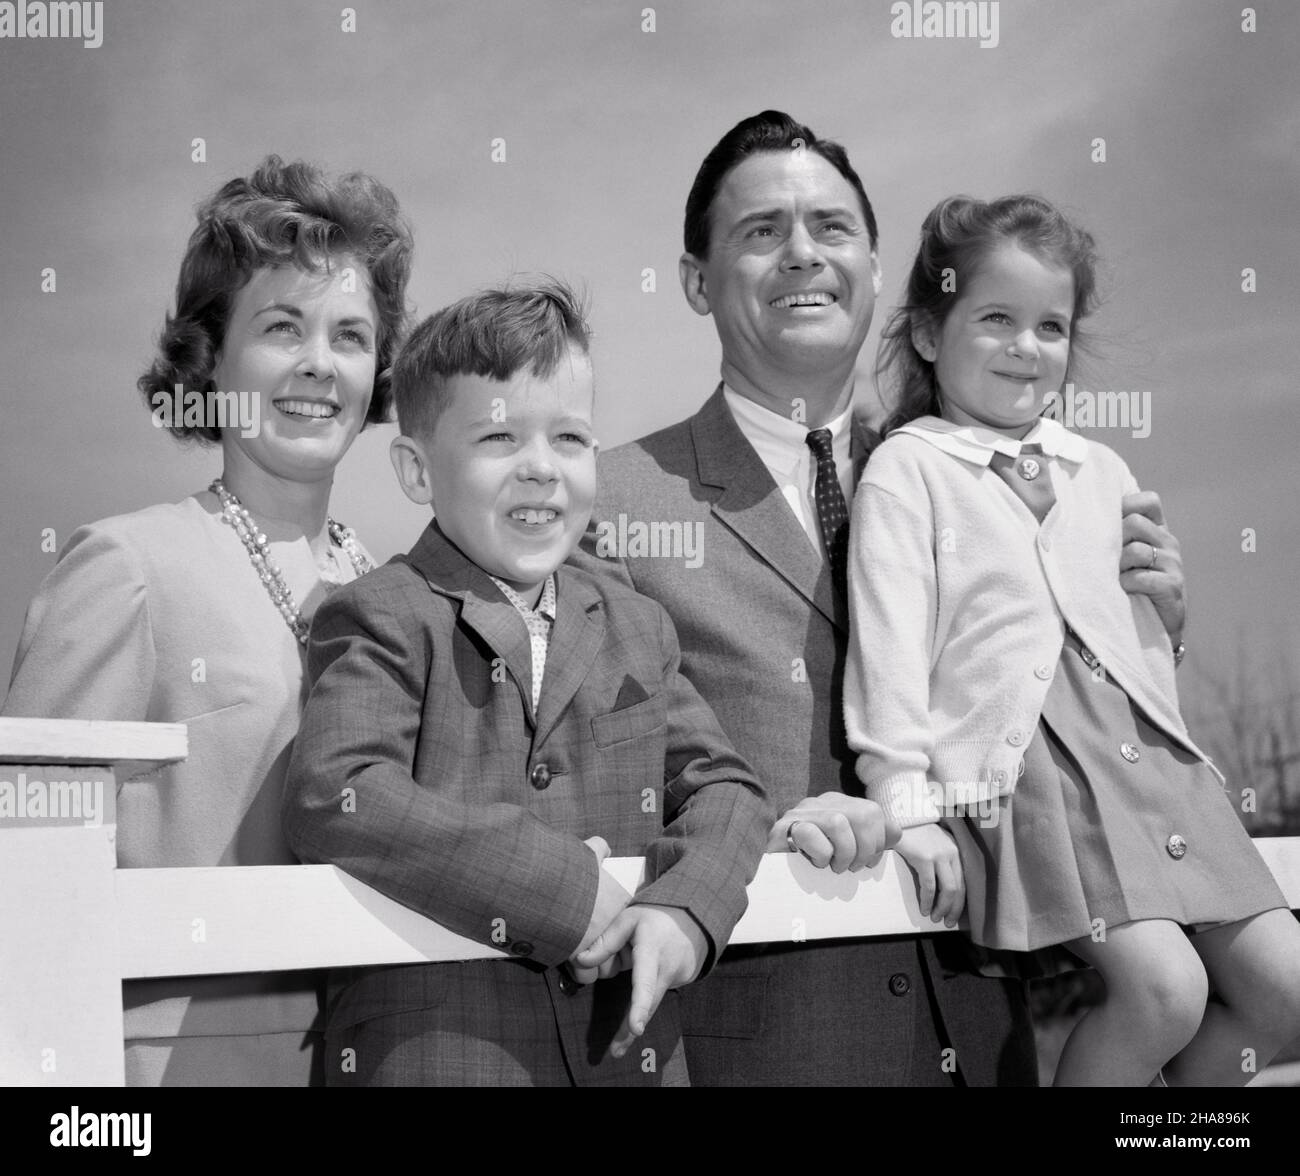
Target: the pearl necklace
pixel 235 514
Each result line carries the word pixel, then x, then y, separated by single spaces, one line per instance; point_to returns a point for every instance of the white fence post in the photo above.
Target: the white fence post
pixel 60 971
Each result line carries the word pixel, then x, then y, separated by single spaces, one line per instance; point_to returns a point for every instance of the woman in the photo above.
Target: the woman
pixel 291 296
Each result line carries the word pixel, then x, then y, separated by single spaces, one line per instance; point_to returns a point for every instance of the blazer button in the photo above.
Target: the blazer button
pixel 521 947
pixel 1043 673
pixel 999 777
pixel 1015 738
pixel 568 985
pixel 1176 846
pixel 899 984
pixel 540 777
pixel 1129 752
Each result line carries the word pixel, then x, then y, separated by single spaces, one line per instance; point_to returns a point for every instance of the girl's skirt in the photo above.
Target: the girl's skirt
pixel 1110 822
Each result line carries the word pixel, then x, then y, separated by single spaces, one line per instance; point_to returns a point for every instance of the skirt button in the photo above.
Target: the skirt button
pixel 1177 846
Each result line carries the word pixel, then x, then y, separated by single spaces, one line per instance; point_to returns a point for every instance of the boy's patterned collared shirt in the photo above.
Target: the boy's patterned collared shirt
pixel 538 622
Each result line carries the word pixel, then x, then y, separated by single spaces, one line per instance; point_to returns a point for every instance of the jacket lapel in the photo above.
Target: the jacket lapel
pixel 752 507
pixel 483 608
pixel 576 639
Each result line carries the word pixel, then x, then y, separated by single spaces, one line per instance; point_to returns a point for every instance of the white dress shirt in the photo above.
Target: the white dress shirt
pixel 782 445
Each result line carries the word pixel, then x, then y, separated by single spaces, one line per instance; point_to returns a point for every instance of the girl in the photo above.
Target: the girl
pixel 1000 680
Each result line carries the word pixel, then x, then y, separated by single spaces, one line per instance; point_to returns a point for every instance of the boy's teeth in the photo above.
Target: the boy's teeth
pixel 533 517
pixel 310 408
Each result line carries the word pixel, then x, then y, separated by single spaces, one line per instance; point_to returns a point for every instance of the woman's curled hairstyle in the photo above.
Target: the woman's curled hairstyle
pixel 283 214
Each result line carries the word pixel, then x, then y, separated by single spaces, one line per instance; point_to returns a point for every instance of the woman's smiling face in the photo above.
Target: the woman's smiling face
pixel 303 345
pixel 1003 349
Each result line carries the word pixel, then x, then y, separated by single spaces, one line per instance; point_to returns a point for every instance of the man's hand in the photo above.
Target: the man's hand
pixel 1146 538
pixel 932 854
pixel 668 950
pixel 611 898
pixel 843 832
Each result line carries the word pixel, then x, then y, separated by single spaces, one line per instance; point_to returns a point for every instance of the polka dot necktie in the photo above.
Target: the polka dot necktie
pixel 832 512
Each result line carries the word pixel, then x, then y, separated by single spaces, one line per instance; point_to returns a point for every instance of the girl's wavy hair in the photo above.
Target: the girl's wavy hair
pixel 956 238
pixel 283 214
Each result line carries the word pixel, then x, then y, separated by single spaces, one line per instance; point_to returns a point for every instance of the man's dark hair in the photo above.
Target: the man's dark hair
pixel 773 130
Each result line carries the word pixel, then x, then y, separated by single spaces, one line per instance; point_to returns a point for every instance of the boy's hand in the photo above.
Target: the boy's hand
pixel 611 898
pixel 668 950
pixel 932 854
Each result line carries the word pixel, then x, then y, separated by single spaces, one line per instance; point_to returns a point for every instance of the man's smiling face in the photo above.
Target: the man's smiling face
pixel 791 274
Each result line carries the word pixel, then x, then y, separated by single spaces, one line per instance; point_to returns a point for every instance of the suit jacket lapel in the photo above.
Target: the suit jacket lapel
pixel 576 638
pixel 752 507
pixel 483 608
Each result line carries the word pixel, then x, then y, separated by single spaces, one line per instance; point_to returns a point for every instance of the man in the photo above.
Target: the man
pixel 781 252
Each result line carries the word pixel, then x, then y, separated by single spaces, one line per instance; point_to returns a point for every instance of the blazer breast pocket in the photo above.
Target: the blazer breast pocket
pixel 632 722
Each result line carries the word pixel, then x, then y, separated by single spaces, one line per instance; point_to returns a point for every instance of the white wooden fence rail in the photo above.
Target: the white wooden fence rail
pixel 73 926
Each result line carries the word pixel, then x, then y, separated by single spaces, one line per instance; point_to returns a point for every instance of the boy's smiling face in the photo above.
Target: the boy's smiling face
pixel 512 468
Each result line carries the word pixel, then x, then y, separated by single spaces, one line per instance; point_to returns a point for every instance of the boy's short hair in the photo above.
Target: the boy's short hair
pixel 494 333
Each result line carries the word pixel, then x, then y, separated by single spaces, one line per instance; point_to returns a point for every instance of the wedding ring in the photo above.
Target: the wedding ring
pixel 789 837
pixel 1155 551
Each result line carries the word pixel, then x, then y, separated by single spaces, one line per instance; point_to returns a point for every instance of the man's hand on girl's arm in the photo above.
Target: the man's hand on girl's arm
pixel 1151 561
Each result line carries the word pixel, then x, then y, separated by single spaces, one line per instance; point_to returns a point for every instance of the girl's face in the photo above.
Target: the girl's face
pixel 1003 349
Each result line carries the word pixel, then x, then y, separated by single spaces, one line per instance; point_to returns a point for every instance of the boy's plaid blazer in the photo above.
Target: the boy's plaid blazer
pixel 421 769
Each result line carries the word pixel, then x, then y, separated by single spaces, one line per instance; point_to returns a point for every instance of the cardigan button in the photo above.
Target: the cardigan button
pixel 540 777
pixel 1176 846
pixel 1015 738
pixel 1129 752
pixel 999 777
pixel 1043 673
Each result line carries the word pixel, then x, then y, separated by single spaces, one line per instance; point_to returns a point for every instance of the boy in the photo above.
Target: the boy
pixel 485 726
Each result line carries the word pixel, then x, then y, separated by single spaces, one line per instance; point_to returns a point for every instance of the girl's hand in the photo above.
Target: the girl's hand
pixel 940 885
pixel 1151 563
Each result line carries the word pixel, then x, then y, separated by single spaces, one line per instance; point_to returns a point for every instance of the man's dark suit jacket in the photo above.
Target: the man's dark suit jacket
pixel 472 809
pixel 763 635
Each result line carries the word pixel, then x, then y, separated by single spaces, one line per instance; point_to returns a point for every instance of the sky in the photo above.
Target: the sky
pixel 605 123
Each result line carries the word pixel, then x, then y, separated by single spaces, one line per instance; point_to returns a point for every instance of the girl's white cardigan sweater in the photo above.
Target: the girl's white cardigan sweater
pixel 959 600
